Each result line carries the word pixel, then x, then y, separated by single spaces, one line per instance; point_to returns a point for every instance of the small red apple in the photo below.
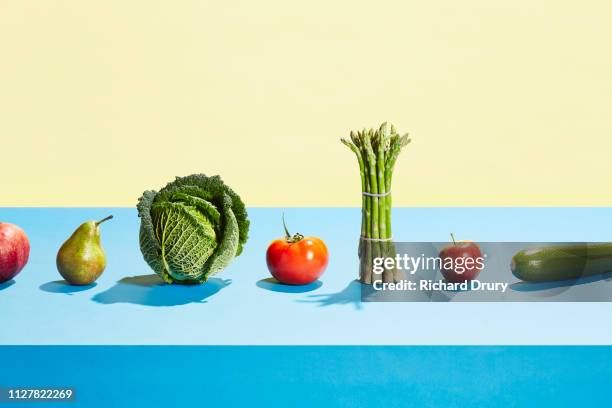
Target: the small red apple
pixel 462 261
pixel 14 251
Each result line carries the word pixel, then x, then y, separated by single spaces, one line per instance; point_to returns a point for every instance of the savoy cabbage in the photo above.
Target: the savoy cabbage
pixel 192 228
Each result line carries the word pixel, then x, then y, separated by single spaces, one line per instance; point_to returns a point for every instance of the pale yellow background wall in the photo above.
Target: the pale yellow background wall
pixel 508 102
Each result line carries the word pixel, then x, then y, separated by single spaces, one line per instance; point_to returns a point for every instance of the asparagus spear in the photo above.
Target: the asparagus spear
pixel 357 152
pixel 380 168
pixel 396 144
pixel 373 183
pixel 365 272
pixel 358 141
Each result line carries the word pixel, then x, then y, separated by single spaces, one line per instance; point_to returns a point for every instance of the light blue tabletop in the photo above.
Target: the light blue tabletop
pixel 239 306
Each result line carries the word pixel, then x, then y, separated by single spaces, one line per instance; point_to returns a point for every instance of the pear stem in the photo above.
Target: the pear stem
pixel 104 219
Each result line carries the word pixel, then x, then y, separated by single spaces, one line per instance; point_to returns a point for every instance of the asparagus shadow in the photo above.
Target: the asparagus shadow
pixel 349 295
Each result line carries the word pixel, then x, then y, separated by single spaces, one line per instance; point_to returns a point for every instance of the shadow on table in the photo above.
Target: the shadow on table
pixel 7 284
pixel 349 295
pixel 151 290
pixel 273 285
pixel 557 287
pixel 61 286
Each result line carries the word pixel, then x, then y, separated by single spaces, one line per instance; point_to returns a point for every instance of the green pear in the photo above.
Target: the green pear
pixel 81 259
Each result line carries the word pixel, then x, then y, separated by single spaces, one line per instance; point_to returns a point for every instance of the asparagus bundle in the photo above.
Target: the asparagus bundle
pixel 377 152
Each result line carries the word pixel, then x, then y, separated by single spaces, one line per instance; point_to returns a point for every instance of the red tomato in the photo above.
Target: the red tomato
pixel 297 260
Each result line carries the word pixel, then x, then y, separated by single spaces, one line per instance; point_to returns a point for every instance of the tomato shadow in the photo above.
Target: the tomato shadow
pixel 61 286
pixel 351 295
pixel 7 284
pixel 274 285
pixel 151 290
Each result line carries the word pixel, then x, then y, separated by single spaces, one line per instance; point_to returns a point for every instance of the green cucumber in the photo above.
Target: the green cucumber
pixel 562 262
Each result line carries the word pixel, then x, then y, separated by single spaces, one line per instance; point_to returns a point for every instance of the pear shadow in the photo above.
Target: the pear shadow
pixel 61 286
pixel 351 295
pixel 273 285
pixel 151 290
pixel 7 284
pixel 559 286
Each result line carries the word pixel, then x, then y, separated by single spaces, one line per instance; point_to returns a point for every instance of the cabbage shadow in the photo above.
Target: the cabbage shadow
pixel 351 295
pixel 274 285
pixel 7 284
pixel 151 290
pixel 61 286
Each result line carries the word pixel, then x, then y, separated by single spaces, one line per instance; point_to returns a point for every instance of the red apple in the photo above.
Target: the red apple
pixel 462 261
pixel 14 251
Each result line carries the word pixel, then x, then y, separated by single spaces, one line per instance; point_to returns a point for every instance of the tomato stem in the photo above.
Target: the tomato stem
pixel 291 239
pixel 287 234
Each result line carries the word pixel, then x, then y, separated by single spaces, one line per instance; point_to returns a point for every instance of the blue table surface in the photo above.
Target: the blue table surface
pixel 128 305
pixel 345 376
